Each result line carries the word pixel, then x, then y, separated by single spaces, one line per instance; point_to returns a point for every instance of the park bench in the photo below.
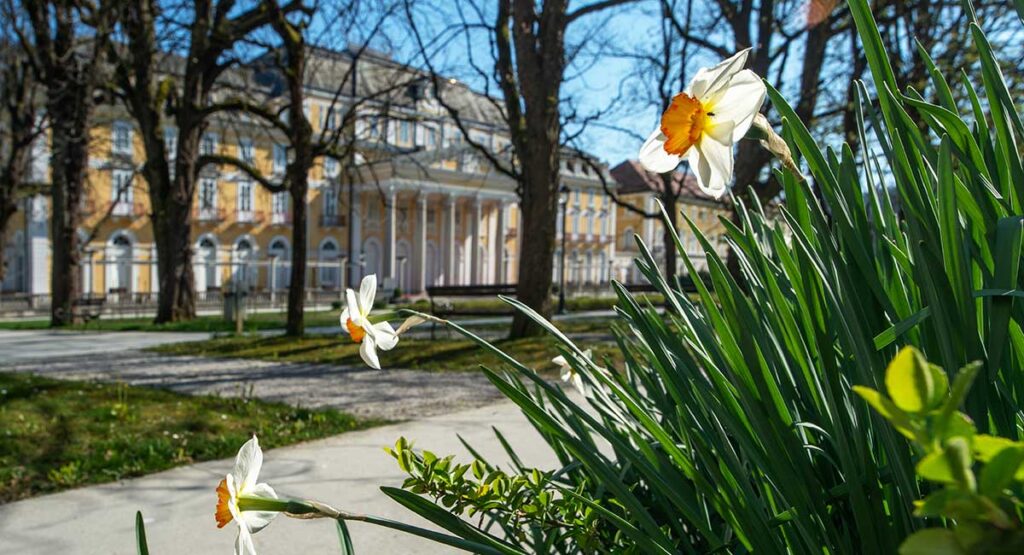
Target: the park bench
pixel 89 307
pixel 441 310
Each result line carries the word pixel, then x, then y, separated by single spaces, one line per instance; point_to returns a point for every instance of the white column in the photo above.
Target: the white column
pixel 37 253
pixel 499 244
pixel 474 245
pixel 355 273
pixel 154 275
pixel 450 251
pixel 390 223
pixel 420 254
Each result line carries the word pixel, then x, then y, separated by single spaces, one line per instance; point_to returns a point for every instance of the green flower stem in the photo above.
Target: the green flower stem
pixel 307 508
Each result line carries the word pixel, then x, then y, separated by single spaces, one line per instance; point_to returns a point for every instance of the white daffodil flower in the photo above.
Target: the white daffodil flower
pixel 704 122
pixel 569 374
pixel 356 319
pixel 241 483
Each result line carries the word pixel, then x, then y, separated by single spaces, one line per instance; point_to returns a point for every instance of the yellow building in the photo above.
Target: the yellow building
pixel 417 206
pixel 641 188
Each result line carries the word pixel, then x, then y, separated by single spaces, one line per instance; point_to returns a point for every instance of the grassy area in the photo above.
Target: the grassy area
pixel 276 320
pixel 254 322
pixel 443 354
pixel 57 434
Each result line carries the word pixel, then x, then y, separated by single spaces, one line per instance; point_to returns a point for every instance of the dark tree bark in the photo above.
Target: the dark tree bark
pixel 185 99
pixel 18 131
pixel 532 90
pixel 300 136
pixel 530 52
pixel 69 69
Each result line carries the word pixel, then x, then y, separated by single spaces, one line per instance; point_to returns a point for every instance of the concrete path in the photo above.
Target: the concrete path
pixel 383 394
pixel 345 471
pixel 16 346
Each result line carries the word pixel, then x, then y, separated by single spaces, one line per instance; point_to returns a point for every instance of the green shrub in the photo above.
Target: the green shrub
pixel 732 425
pixel 986 506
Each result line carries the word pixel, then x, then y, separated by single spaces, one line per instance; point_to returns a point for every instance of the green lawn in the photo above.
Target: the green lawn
pixel 57 434
pixel 443 354
pixel 254 322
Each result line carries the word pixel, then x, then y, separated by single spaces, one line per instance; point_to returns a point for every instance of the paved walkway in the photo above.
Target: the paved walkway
pixel 344 471
pixel 22 345
pixel 386 394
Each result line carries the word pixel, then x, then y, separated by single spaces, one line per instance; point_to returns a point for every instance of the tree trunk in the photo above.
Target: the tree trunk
pixel 6 212
pixel 172 232
pixel 297 286
pixel 70 116
pixel 539 207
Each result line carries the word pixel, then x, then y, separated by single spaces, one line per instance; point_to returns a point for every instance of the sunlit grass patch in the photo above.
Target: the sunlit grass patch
pixel 59 434
pixel 442 354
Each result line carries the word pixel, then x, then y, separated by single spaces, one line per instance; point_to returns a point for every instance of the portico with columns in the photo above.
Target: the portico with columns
pixel 457 235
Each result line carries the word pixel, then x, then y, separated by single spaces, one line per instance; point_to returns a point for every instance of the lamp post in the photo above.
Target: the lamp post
pixel 563 201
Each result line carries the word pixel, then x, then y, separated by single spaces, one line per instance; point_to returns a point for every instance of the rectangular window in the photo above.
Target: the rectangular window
pixel 279 208
pixel 405 132
pixel 245 200
pixel 121 192
pixel 171 143
pixel 207 196
pixel 374 128
pixel 330 202
pixel 280 203
pixel 208 144
pixel 431 137
pixel 245 151
pixel 280 158
pixel 330 167
pixel 122 141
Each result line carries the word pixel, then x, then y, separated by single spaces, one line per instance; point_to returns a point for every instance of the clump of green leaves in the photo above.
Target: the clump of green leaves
pixel 524 504
pixel 980 477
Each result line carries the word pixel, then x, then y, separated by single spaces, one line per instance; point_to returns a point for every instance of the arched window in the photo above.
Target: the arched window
pixel 329 270
pixel 280 255
pixel 205 265
pixel 244 255
pixel 120 270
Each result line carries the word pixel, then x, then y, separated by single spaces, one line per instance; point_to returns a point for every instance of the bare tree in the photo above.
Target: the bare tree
pixel 287 62
pixel 66 47
pixel 159 88
pixel 530 53
pixel 20 121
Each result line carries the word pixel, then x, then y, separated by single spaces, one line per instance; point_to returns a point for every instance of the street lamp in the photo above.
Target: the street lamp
pixel 563 201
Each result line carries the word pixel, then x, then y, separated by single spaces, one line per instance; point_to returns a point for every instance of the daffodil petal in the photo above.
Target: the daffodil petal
pixel 566 373
pixel 740 103
pixel 560 361
pixel 384 336
pixel 710 81
pixel 368 352
pixel 344 316
pixel 581 386
pixel 653 156
pixel 243 543
pixel 367 292
pixel 712 164
pixel 352 306
pixel 247 465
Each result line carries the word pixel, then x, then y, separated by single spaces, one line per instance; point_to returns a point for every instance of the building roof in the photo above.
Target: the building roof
pixel 633 178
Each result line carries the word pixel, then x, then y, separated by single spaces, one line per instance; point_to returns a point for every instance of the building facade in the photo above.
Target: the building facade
pixel 417 205
pixel 641 189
